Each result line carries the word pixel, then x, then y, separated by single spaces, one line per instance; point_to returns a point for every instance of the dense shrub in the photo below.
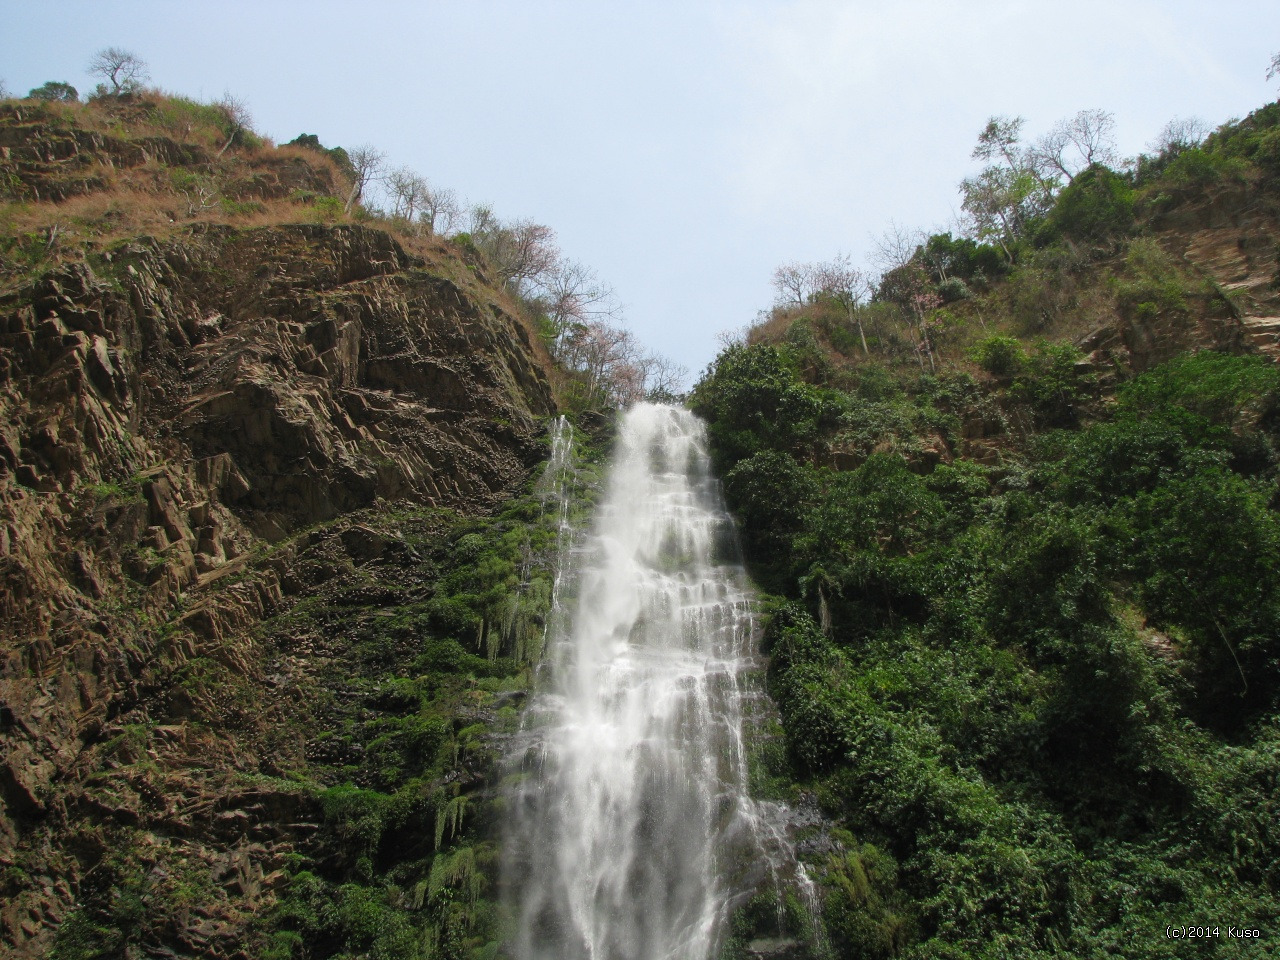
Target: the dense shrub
pixel 754 400
pixel 999 356
pixel 953 289
pixel 1052 384
pixel 1096 206
pixel 769 491
pixel 1198 168
pixel 964 259
pixel 55 90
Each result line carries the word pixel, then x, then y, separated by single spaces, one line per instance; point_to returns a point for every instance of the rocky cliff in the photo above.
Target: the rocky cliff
pixel 198 431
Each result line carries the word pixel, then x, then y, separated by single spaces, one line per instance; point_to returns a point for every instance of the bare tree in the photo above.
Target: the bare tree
pixel 573 294
pixel 1273 70
pixel 838 280
pixel 608 358
pixel 897 245
pixel 408 192
pixel 664 379
pixel 440 211
pixel 518 252
pixel 366 166
pixel 845 285
pixel 1048 157
pixel 792 284
pixel 1179 134
pixel 731 339
pixel 122 69
pixel 532 251
pixel 236 113
pixel 201 191
pixel 1075 144
pixel 4 91
pixel 1093 134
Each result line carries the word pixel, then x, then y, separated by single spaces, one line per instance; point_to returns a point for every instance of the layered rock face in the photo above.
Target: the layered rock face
pixel 1231 237
pixel 172 413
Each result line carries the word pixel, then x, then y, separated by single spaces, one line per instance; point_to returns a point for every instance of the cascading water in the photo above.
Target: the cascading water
pixel 631 833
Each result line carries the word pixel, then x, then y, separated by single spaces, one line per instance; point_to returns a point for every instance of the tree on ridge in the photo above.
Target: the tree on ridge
pixel 125 71
pixel 366 166
pixel 55 91
pixel 237 115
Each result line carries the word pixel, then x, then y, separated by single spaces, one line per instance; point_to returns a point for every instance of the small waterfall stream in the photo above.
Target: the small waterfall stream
pixel 631 834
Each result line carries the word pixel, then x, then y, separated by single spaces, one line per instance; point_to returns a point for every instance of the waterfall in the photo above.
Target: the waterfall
pixel 631 834
pixel 557 485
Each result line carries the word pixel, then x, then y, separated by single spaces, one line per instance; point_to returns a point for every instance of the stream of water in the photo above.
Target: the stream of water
pixel 631 834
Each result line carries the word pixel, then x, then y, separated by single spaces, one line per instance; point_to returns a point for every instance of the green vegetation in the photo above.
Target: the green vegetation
pixel 1024 621
pixel 1036 699
pixel 420 632
pixel 413 710
pixel 55 90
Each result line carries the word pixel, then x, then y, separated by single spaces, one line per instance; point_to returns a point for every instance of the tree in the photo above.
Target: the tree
pixel 481 219
pixel 408 192
pixel 55 91
pixel 770 492
pixel 839 281
pixel 997 202
pixel 4 91
pixel 236 114
pixel 999 139
pixel 1089 135
pixel 366 166
pixel 911 288
pixel 439 211
pixel 519 252
pixel 1179 134
pixel 1011 192
pixel 792 284
pixel 572 294
pixel 1274 69
pixel 122 69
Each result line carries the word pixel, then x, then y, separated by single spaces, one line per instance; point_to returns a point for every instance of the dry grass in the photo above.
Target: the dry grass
pixel 154 199
pixel 774 328
pixel 132 209
pixel 320 162
pixel 1061 300
pixel 161 201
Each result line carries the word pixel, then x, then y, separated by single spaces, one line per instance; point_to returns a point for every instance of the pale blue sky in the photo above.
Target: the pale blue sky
pixel 683 150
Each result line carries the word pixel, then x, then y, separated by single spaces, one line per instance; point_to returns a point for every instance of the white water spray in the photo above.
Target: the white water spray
pixel 631 833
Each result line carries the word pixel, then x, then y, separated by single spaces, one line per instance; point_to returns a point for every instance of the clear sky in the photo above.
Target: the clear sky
pixel 684 150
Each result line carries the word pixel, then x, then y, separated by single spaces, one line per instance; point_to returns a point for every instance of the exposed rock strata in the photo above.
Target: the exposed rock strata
pixel 167 412
pixel 1231 239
